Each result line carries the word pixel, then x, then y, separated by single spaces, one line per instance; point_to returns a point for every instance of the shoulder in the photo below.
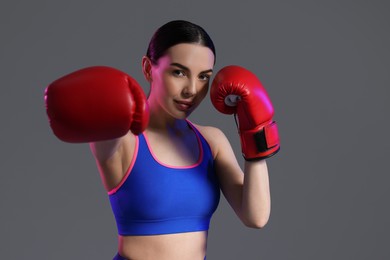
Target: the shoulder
pixel 214 137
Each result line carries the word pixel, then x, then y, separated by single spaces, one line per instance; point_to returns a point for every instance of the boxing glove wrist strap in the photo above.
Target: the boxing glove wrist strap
pixel 261 142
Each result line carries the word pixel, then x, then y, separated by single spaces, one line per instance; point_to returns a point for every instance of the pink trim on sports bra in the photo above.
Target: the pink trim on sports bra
pixel 200 157
pixel 112 191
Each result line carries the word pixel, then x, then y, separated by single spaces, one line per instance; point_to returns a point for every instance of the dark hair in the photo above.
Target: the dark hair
pixel 175 32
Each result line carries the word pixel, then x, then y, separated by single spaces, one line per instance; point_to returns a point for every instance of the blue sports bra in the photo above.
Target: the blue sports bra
pixel 154 198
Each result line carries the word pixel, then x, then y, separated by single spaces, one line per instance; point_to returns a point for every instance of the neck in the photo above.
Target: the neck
pixel 165 123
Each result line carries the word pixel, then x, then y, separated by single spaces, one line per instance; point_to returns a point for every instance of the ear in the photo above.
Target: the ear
pixel 147 68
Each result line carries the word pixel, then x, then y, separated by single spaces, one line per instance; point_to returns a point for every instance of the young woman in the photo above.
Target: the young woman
pixel 165 175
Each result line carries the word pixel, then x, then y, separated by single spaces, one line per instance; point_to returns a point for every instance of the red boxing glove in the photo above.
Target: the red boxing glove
pixel 95 104
pixel 236 90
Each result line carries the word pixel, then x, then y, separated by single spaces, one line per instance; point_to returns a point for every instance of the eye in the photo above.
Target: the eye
pixel 204 77
pixel 178 73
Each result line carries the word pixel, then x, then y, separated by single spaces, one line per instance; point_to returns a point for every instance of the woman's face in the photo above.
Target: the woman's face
pixel 180 79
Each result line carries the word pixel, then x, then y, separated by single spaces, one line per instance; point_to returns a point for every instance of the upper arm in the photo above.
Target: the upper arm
pixel 105 150
pixel 229 172
pixel 113 158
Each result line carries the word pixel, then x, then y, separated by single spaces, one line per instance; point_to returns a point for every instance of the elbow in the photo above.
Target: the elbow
pixel 256 223
pixel 256 218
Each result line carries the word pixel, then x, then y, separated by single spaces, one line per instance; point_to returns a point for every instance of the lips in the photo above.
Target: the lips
pixel 183 105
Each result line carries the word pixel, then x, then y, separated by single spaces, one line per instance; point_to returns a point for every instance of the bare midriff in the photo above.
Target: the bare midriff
pixel 188 246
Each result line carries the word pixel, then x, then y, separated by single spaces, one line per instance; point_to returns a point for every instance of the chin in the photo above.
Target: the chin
pixel 177 114
pixel 182 116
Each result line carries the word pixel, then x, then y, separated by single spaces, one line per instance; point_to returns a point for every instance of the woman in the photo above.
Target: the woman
pixel 164 180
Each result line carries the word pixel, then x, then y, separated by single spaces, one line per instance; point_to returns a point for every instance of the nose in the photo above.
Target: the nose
pixel 190 88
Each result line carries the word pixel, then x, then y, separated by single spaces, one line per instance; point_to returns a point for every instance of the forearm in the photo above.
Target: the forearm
pixel 256 199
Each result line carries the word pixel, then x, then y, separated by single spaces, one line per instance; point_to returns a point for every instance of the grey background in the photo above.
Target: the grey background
pixel 325 65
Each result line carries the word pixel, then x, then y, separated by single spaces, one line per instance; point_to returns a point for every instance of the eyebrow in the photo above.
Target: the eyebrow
pixel 187 69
